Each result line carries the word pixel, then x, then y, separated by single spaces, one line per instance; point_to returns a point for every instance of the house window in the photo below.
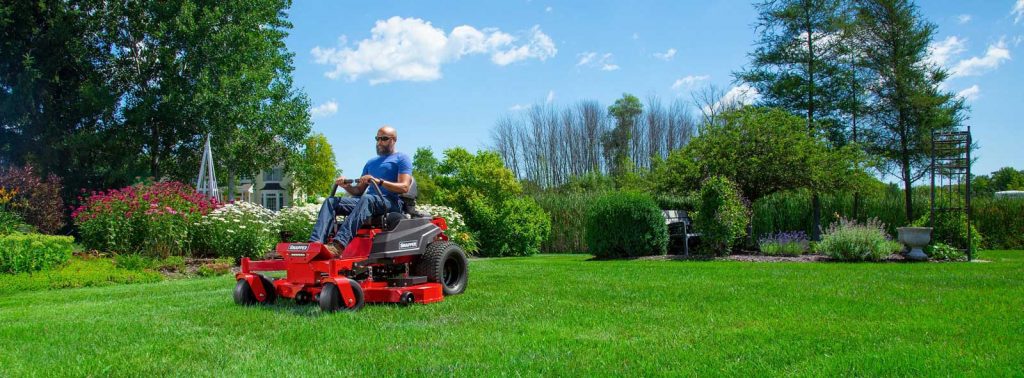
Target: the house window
pixel 274 174
pixel 273 200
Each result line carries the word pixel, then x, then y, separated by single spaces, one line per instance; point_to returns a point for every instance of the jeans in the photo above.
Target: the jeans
pixel 356 209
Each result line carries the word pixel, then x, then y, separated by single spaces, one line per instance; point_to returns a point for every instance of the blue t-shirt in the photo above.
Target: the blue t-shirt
pixel 387 168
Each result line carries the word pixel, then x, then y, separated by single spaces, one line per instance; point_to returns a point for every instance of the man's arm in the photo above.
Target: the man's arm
pixel 399 187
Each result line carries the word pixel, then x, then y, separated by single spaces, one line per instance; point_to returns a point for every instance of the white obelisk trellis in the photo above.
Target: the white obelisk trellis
pixel 207 185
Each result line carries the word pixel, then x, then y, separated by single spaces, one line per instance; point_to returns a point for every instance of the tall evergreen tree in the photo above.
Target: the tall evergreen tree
pixel 797 67
pixel 906 104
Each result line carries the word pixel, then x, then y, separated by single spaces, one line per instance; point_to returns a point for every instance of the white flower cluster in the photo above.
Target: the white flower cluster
pixel 451 217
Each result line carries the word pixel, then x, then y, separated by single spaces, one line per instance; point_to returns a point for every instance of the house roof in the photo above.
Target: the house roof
pixel 272 186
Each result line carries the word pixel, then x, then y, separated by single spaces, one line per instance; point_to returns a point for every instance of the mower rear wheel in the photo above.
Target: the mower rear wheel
pixel 445 263
pixel 331 301
pixel 268 287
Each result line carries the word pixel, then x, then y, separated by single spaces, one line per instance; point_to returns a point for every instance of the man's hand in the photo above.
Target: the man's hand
pixel 365 180
pixel 340 181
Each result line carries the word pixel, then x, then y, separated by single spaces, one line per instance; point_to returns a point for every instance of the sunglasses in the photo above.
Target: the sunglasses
pixel 382 139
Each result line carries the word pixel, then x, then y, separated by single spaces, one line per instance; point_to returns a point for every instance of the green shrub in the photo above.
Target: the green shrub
pixel 457 231
pixel 851 241
pixel 487 194
pixel 24 253
pixel 951 229
pixel 10 223
pixel 943 251
pixel 625 224
pixel 722 216
pixel 240 229
pixel 515 228
pixel 677 202
pixel 296 222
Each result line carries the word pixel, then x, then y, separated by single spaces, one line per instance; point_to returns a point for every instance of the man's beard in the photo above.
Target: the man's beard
pixel 384 150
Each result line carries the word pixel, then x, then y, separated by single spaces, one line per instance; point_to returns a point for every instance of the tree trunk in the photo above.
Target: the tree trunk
pixel 231 185
pixel 816 214
pixel 908 195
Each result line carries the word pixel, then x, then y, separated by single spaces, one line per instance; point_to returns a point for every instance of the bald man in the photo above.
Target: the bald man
pixel 391 172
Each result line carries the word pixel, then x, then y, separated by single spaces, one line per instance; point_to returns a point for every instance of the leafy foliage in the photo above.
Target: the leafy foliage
pixel 625 224
pixel 295 223
pixel 852 241
pixel 457 230
pixel 489 197
pixel 240 229
pixel 616 142
pixel 722 216
pixel 22 253
pixel 313 169
pixel 155 219
pixel 33 199
pixel 951 228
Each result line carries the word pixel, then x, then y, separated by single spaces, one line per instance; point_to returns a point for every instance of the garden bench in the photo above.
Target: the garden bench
pixel 680 230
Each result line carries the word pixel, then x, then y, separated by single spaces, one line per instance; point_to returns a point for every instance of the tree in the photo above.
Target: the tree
pixel 101 92
pixel 797 65
pixel 1007 178
pixel 762 150
pixel 424 169
pixel 617 141
pixel 313 169
pixel 906 104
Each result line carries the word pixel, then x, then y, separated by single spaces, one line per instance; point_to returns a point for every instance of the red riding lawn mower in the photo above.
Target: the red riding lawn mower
pixel 400 258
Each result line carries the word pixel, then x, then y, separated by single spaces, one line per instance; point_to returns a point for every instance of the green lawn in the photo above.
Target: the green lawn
pixel 552 315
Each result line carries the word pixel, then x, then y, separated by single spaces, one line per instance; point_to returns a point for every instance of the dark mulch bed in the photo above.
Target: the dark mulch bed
pixel 762 258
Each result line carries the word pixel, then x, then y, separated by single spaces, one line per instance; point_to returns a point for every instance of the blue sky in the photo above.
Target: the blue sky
pixel 442 73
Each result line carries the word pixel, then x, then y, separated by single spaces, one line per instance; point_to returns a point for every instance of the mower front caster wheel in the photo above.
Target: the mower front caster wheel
pixel 331 299
pixel 245 296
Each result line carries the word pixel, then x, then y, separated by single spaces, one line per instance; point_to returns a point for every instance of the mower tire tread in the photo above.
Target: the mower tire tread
pixel 432 265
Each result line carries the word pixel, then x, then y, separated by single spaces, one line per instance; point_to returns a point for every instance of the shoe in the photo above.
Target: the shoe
pixel 335 247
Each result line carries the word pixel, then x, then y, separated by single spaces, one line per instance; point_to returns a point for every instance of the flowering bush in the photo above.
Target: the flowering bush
pixel 457 230
pixel 794 243
pixel 33 199
pixel 152 219
pixel 295 223
pixel 849 240
pixel 240 229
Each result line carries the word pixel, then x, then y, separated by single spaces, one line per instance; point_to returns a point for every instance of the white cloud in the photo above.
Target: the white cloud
pixel 970 94
pixel 325 109
pixel 412 49
pixel 551 97
pixel 1018 10
pixel 667 55
pixel 689 80
pixel 963 19
pixel 593 60
pixel 740 94
pixel 939 53
pixel 548 9
pixel 518 107
pixel 996 55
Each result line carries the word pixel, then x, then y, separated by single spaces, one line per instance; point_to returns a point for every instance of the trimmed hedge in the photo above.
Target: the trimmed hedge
pixel 24 253
pixel 722 216
pixel 626 224
pixel 516 227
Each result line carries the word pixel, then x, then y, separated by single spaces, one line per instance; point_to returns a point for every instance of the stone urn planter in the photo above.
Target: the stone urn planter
pixel 915 238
